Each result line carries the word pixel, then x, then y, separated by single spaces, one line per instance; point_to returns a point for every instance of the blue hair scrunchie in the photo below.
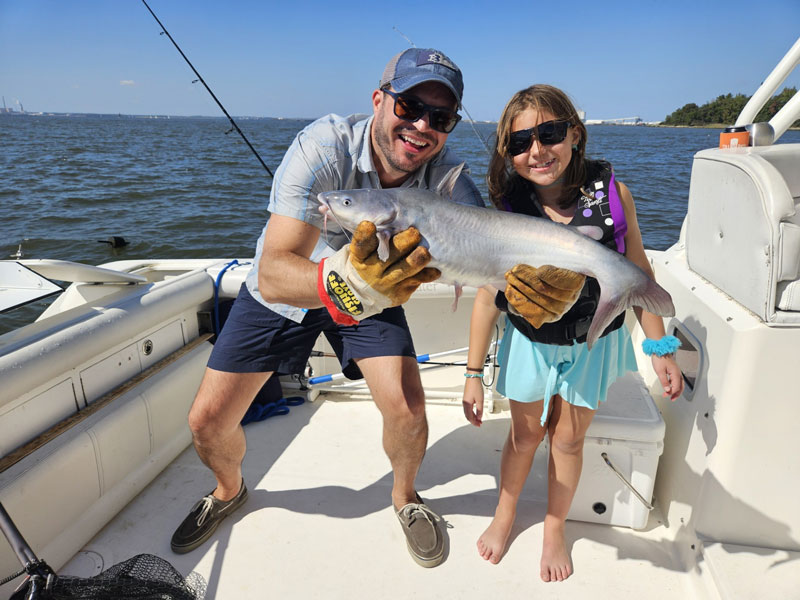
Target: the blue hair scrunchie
pixel 666 345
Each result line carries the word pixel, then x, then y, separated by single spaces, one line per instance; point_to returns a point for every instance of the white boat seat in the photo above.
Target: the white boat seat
pixel 743 227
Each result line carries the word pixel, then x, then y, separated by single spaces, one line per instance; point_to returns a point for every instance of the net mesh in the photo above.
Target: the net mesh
pixel 143 577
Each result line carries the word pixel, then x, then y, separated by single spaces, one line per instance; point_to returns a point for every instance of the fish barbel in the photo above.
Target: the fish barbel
pixel 476 246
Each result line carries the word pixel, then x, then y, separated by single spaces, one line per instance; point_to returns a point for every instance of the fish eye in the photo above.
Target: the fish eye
pixel 346 202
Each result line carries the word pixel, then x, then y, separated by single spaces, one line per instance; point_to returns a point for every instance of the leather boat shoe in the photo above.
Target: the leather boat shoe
pixel 203 520
pixel 423 536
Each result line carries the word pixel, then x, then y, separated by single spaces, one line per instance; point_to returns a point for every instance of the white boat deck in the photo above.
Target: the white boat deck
pixel 318 523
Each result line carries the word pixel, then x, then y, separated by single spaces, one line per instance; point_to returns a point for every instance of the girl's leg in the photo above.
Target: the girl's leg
pixel 523 438
pixel 567 430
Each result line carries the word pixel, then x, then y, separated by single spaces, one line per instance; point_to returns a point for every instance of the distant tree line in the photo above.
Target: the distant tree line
pixel 726 108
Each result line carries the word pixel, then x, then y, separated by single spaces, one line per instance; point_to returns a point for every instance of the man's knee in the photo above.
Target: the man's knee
pixel 404 407
pixel 204 421
pixel 221 402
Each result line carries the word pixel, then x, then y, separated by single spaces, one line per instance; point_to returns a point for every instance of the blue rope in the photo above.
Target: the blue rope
pixel 216 293
pixel 259 412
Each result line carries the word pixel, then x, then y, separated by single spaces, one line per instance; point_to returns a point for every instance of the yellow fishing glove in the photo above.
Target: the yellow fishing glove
pixel 354 283
pixel 542 295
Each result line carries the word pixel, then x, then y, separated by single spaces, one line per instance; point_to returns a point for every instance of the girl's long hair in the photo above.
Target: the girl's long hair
pixel 540 98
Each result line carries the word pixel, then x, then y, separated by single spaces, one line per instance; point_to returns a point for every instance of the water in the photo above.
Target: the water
pixel 181 187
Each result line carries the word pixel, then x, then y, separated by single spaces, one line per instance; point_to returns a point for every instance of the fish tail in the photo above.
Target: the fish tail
pixel 647 294
pixel 654 299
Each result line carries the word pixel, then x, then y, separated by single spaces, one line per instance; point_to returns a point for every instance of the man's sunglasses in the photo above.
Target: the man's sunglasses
pixel 412 109
pixel 548 133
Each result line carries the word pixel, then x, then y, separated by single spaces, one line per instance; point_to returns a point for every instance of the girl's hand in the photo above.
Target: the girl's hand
pixel 473 400
pixel 669 374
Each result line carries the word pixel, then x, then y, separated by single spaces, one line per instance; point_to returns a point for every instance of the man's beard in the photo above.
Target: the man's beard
pixel 385 142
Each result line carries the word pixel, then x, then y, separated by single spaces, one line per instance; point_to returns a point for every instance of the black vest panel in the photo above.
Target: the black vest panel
pixel 574 325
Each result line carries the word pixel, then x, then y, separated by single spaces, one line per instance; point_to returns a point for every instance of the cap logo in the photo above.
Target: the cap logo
pixel 435 58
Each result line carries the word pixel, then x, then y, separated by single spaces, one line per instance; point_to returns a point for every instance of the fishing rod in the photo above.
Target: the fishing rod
pixel 201 80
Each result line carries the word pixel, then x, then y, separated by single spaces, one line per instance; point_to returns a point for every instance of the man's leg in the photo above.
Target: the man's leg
pixel 254 342
pixel 405 438
pixel 214 419
pixel 405 427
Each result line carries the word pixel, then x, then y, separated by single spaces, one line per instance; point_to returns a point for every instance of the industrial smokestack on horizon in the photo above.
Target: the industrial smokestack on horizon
pixel 7 109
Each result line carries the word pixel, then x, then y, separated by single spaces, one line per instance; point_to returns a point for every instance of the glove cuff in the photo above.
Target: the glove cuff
pixel 333 292
pixel 502 303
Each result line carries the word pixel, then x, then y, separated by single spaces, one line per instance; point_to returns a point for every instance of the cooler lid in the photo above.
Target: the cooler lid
pixel 629 413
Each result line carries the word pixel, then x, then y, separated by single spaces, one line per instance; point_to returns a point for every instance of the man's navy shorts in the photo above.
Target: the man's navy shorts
pixel 256 339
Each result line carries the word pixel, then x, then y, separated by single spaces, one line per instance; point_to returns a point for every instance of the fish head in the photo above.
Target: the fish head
pixel 351 207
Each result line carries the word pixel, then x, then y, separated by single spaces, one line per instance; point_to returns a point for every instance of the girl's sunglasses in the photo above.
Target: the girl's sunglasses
pixel 548 133
pixel 413 109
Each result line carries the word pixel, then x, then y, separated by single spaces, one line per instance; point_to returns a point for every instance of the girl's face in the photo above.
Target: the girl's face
pixel 540 164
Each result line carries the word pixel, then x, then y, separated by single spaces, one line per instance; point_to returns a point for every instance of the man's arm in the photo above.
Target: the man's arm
pixel 285 274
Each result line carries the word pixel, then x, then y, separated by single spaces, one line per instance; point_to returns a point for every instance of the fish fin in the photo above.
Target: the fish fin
pixel 654 299
pixel 590 231
pixel 647 294
pixel 607 311
pixel 446 185
pixel 383 244
pixel 458 289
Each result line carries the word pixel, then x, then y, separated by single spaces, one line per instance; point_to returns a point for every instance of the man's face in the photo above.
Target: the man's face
pixel 401 147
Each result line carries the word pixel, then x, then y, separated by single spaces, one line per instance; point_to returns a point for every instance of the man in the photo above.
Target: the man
pixel 304 285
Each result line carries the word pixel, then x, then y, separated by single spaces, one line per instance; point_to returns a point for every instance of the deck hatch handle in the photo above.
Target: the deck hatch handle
pixel 625 481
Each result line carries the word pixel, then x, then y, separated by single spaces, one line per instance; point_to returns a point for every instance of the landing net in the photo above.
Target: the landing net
pixel 143 577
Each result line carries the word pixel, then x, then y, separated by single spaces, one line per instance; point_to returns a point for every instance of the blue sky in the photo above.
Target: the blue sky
pixel 306 58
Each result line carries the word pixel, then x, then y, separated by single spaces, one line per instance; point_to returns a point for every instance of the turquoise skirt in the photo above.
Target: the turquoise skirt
pixel 530 371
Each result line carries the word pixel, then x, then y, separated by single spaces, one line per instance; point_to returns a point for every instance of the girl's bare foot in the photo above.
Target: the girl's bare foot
pixel 556 564
pixel 492 543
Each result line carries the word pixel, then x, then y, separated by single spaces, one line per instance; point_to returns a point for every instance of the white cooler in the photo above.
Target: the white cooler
pixel 629 431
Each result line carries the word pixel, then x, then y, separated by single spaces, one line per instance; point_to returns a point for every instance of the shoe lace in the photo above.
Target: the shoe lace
pixel 410 512
pixel 205 505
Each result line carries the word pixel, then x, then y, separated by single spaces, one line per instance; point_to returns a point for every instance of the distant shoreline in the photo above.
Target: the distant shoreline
pixel 245 118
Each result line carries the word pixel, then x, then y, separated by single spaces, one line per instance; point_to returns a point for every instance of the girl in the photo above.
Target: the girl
pixel 554 384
